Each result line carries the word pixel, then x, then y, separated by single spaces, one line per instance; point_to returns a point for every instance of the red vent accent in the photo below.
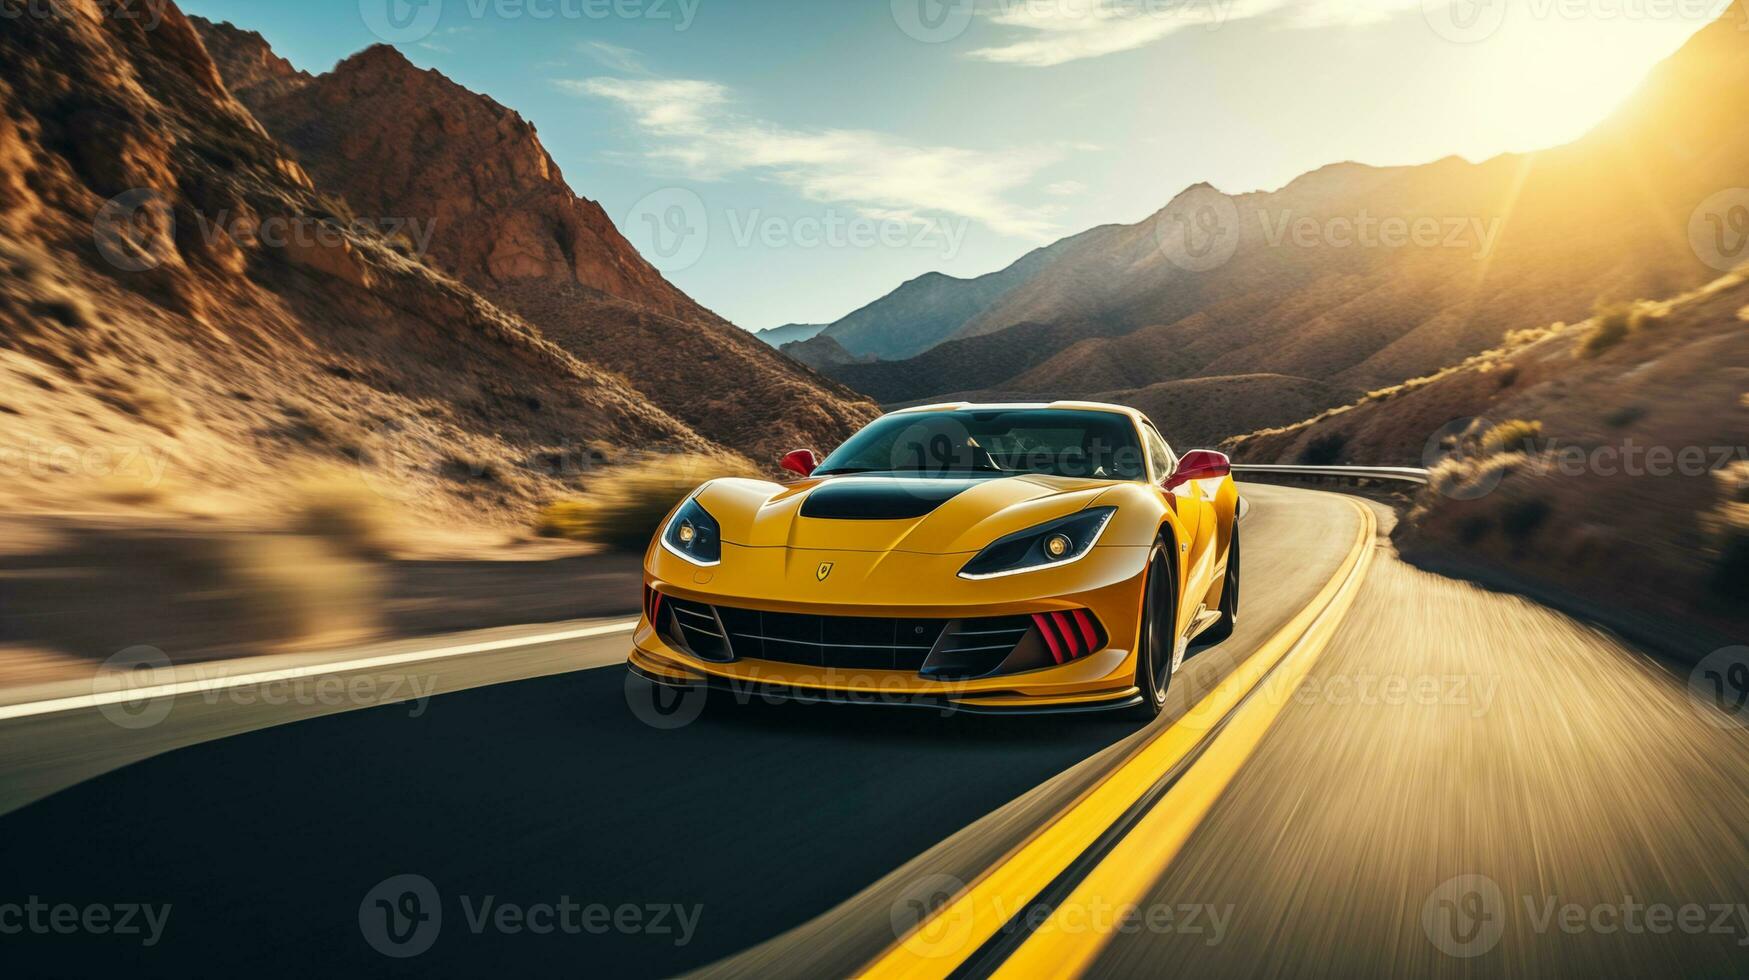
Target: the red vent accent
pixel 1070 640
pixel 1071 635
pixel 652 604
pixel 1084 619
pixel 1049 631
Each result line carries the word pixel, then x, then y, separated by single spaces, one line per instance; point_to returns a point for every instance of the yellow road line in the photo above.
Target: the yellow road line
pixel 1081 926
pixel 944 940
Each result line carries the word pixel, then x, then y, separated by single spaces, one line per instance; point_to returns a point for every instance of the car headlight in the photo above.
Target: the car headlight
pixel 1057 543
pixel 693 535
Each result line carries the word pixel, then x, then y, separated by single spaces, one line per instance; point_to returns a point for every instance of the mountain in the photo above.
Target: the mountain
pixel 789 333
pixel 820 352
pixel 1361 276
pixel 467 182
pixel 927 310
pixel 1606 458
pixel 179 301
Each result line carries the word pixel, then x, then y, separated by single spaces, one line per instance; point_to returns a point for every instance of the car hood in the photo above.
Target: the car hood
pixel 946 515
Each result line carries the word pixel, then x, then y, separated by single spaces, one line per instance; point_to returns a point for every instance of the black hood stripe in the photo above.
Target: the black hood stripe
pixel 881 500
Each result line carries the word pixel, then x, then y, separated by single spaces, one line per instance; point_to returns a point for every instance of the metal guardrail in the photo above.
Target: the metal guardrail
pixel 1389 474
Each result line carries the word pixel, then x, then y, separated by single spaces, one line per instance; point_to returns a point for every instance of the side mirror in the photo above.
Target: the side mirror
pixel 802 462
pixel 1200 464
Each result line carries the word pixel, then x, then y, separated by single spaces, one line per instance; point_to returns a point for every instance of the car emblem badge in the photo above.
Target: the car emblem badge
pixel 824 570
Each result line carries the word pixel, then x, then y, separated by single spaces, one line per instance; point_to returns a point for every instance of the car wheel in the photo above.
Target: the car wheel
pixel 1224 627
pixel 1157 637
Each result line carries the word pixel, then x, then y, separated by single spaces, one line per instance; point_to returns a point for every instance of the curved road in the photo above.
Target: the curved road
pixel 1455 769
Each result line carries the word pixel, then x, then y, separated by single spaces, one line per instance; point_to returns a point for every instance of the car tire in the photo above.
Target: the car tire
pixel 1223 627
pixel 1157 636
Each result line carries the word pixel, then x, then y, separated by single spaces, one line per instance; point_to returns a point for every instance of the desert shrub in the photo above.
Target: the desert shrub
pixel 1610 328
pixel 1324 450
pixel 1521 519
pixel 1625 416
pixel 624 507
pixel 149 403
pixel 72 312
pixel 1516 436
pixel 1530 335
pixel 318 427
pixel 301 590
pixel 337 507
pixel 471 467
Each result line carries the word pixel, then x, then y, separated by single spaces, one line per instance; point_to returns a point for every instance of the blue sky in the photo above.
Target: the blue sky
pixel 792 160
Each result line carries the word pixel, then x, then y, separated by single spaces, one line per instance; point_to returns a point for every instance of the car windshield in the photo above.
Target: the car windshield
pixel 995 442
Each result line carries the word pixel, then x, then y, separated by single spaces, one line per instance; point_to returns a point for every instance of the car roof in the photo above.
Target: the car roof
pixel 1061 406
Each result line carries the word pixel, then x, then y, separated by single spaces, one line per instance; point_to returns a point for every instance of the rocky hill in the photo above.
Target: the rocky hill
pixel 1609 457
pixel 181 305
pixel 468 181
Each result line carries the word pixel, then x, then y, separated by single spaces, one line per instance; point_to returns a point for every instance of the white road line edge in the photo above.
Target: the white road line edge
pixel 98 699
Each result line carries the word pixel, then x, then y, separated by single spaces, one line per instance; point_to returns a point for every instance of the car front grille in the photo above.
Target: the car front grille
pixel 940 649
pixel 845 642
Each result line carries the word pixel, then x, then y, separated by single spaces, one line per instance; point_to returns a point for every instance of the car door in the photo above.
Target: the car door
pixel 1196 512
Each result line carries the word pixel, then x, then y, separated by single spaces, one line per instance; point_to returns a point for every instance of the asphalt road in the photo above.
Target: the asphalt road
pixel 761 840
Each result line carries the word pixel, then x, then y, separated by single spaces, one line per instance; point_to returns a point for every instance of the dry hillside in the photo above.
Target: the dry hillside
pixel 1610 457
pixel 181 305
pixel 1318 285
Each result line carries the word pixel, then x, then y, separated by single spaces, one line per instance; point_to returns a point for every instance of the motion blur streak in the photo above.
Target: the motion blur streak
pixel 977 915
pixel 1127 874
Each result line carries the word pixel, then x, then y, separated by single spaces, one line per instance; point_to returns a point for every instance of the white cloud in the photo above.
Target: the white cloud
pixel 694 129
pixel 1062 31
pixel 1066 188
pixel 614 57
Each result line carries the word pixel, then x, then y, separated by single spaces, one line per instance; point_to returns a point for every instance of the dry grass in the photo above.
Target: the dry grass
pixel 625 506
pixel 1516 435
pixel 1616 322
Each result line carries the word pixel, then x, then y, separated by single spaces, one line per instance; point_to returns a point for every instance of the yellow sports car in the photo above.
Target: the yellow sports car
pixel 1000 558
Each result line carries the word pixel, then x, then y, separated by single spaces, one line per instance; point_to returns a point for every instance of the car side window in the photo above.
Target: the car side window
pixel 1160 456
